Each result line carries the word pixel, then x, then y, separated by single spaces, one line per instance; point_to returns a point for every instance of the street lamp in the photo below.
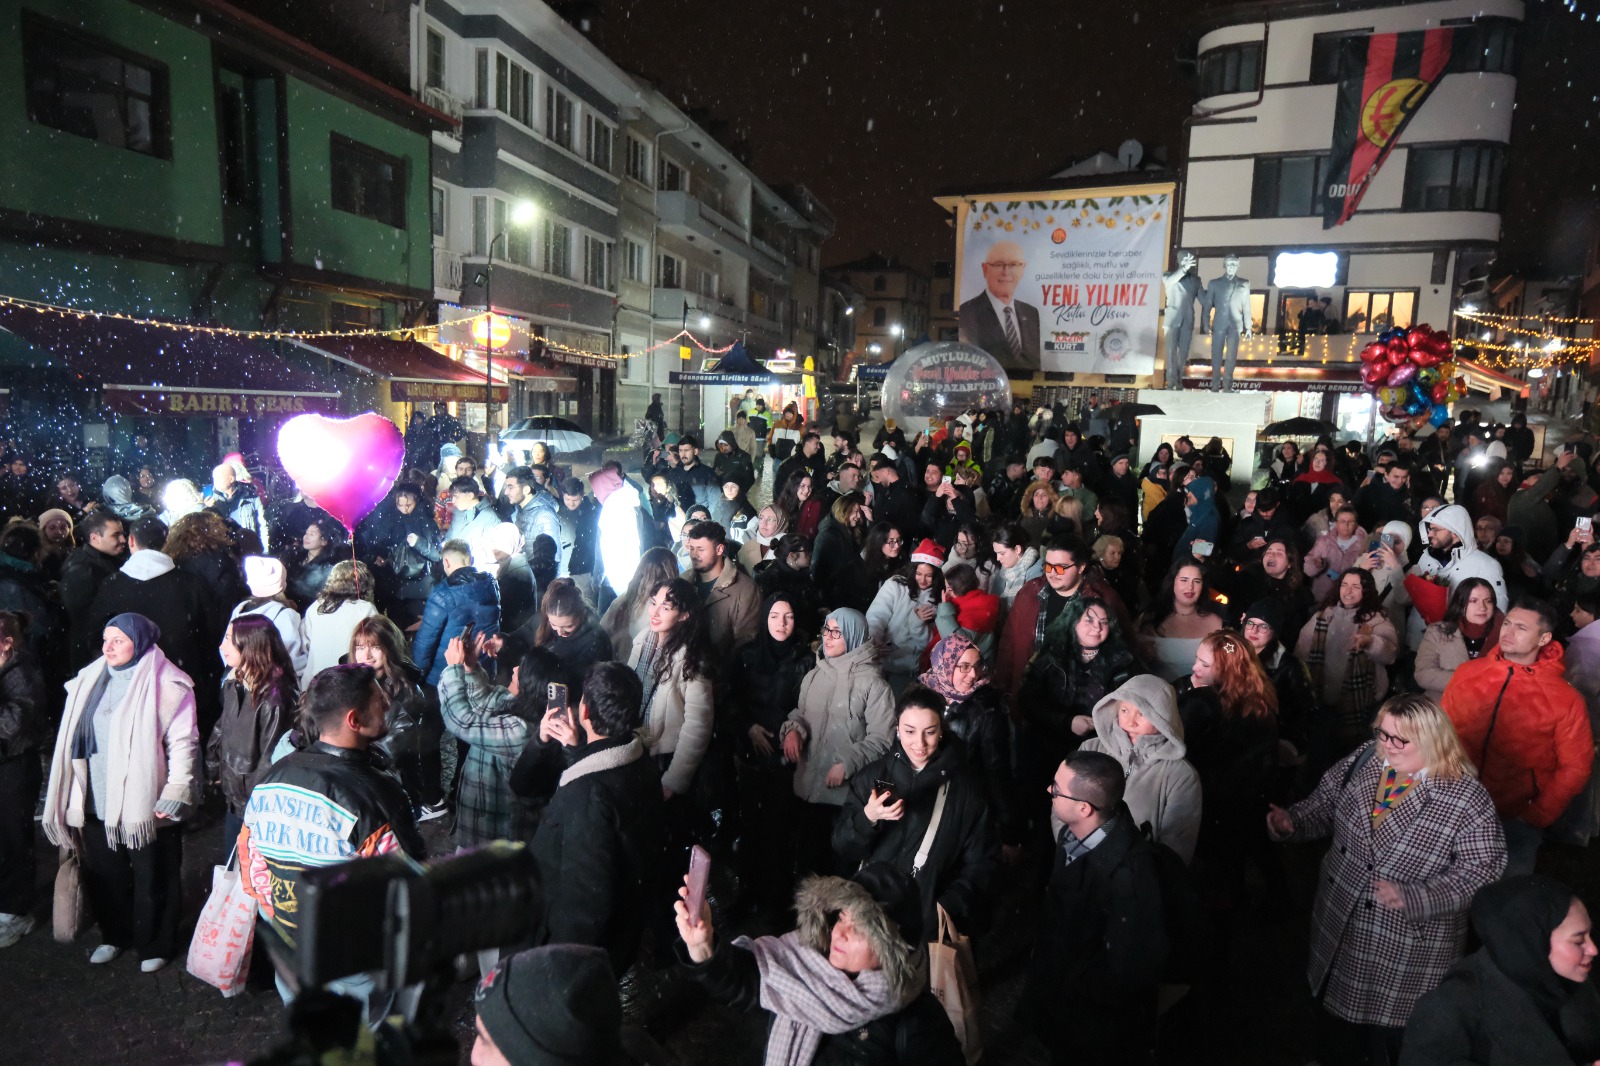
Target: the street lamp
pixel 897 331
pixel 521 216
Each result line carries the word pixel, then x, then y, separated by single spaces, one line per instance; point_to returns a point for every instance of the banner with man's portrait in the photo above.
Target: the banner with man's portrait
pixel 1065 281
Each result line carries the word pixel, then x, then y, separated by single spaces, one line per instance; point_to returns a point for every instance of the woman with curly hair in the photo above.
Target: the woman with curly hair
pixel 1347 646
pixel 346 600
pixel 412 726
pixel 1182 611
pixel 882 557
pixel 800 503
pixel 629 614
pixel 199 543
pixel 1038 504
pixel 673 659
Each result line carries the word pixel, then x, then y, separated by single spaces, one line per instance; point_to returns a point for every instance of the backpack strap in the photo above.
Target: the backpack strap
pixel 1361 760
pixel 933 830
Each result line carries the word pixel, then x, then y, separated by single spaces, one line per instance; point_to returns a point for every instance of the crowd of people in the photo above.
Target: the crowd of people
pixel 996 658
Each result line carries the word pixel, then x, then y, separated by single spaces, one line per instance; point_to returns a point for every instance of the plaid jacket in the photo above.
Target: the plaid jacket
pixel 480 714
pixel 1439 844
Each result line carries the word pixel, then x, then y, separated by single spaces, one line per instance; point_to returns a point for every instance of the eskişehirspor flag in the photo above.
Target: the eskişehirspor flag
pixel 1383 80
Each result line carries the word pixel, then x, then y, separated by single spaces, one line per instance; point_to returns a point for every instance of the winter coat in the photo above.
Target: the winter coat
pixel 1019 639
pixel 846 715
pixel 598 850
pixel 734 466
pixel 579 540
pixel 1008 580
pixel 620 545
pixel 408 570
pixel 1101 947
pixel 1478 1016
pixel 1525 729
pixel 918 1034
pixel 1056 689
pixel 150 584
pixel 1204 522
pixel 1337 648
pixel 964 855
pixel 764 687
pixel 892 620
pixel 1326 562
pixel 1464 560
pixel 328 635
pixel 980 722
pixel 677 720
pixel 474 527
pixel 467 595
pixel 288 622
pixel 774 576
pixel 240 749
pixel 24 714
pixel 82 574
pixel 519 597
pixel 1438 657
pixel 1439 844
pixel 1236 756
pixel 696 484
pixel 1162 788
pixel 315 807
pixel 223 580
pixel 836 567
pixel 536 517
pixel 307 576
pixel 244 509
pixel 485 717
pixel 732 609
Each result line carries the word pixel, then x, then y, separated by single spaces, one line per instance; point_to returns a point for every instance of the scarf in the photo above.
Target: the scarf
pixel 1358 695
pixel 809 997
pixel 159 701
pixel 942 667
pixel 1478 637
pixel 645 669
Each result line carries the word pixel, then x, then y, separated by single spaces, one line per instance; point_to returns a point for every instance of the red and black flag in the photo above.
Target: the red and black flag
pixel 1383 80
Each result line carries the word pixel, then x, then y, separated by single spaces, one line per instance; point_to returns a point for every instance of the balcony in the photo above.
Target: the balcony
pixel 684 216
pixel 668 304
pixel 440 100
pixel 447 270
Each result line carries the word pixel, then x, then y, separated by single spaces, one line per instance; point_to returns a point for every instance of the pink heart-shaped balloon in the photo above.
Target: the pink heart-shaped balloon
pixel 345 465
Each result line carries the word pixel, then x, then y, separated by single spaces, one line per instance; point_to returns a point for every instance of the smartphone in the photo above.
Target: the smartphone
pixel 1570 449
pixel 699 875
pixel 945 480
pixel 1387 539
pixel 466 632
pixel 556 696
pixel 1202 548
pixel 1372 546
pixel 1585 525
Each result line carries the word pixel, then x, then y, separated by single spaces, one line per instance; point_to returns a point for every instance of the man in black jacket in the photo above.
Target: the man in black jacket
pixel 695 481
pixel 893 500
pixel 82 574
pixel 598 846
pixel 1092 989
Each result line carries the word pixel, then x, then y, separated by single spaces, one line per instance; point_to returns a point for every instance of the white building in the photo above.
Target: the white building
pixel 1255 173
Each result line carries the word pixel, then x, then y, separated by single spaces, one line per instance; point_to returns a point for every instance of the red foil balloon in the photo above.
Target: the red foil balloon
pixel 1398 346
pixel 1441 392
pixel 1373 352
pixel 1376 374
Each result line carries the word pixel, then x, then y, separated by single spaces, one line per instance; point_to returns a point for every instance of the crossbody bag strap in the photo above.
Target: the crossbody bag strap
pixel 933 830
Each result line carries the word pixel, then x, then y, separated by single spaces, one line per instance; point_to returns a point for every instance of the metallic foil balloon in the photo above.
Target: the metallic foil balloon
pixel 1376 373
pixel 1373 352
pixel 1398 347
pixel 1440 415
pixel 345 465
pixel 1403 375
pixel 1440 392
pixel 1428 375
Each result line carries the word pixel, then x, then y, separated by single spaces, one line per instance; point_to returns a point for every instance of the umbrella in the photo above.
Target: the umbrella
pixel 1117 412
pixel 1299 427
pixel 562 434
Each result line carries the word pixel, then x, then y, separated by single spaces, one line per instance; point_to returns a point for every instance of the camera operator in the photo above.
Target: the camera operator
pixel 556 1006
pixel 299 815
pixel 599 842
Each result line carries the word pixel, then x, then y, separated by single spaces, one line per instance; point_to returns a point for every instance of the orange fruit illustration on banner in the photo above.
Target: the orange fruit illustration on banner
pixel 1059 235
pixel 1388 107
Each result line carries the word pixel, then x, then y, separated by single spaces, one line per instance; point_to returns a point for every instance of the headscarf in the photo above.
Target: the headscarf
pixel 1514 918
pixel 505 537
pixel 604 482
pixel 137 628
pixel 942 667
pixel 778 648
pixel 852 625
pixel 117 491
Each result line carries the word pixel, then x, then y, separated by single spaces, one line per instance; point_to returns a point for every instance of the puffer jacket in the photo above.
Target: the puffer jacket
pixel 24 716
pixel 678 719
pixel 846 715
pixel 981 723
pixel 1464 560
pixel 1163 788
pixel 316 807
pixel 1204 522
pixel 1326 562
pixel 240 749
pixel 918 1034
pixel 467 595
pixel 892 621
pixel 765 686
pixel 964 856
pixel 1525 729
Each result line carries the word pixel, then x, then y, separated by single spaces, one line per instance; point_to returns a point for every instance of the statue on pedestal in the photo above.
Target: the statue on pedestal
pixel 1227 300
pixel 1183 287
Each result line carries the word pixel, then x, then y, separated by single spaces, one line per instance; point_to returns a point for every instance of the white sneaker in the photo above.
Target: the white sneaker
pixel 13 927
pixel 152 965
pixel 426 813
pixel 103 954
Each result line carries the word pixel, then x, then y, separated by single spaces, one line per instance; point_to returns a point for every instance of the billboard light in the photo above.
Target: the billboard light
pixel 1305 270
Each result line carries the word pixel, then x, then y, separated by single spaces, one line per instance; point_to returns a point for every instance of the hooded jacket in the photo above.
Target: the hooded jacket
pixel 1462 561
pixel 620 545
pixel 467 595
pixel 1204 522
pixel 119 499
pixel 846 715
pixel 900 634
pixel 1163 788
pixel 1525 729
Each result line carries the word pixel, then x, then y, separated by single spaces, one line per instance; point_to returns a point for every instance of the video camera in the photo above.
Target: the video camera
pixel 407 923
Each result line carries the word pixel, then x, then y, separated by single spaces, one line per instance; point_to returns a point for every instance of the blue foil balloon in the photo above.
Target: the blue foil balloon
pixel 1415 407
pixel 1440 415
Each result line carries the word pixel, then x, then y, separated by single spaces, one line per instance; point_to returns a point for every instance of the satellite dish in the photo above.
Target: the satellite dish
pixel 1130 153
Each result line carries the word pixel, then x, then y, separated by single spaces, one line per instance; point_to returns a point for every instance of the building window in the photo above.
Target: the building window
pixel 596 262
pixel 238 154
pixel 669 271
pixel 597 142
pixel 558 117
pixel 436 206
pixel 1464 178
pixel 343 316
pixel 1325 51
pixel 367 182
pixel 880 283
pixel 1290 186
pixel 1374 312
pixel 879 316
pixel 480 79
pixel 513 90
pixel 517 242
pixel 671 177
pixel 557 248
pixel 435 60
pixel 78 85
pixel 480 225
pixel 1233 68
pixel 946 301
pixel 638 160
pixel 1487 46
pixel 633 260
pixel 704 282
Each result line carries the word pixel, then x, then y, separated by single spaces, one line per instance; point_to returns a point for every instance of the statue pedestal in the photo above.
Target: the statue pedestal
pixel 1201 414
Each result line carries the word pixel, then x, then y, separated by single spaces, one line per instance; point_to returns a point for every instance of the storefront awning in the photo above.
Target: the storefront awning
pixel 536 377
pixel 156 370
pixel 1481 379
pixel 415 372
pixel 1294 377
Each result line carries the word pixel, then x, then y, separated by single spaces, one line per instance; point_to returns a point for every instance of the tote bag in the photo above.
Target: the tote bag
pixel 219 954
pixel 953 977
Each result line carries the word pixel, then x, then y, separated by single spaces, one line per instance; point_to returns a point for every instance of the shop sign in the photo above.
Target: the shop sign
pixel 447 391
pixel 198 403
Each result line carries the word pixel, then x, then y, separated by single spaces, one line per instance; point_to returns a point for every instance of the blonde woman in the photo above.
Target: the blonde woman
pixel 1415 835
pixel 1038 503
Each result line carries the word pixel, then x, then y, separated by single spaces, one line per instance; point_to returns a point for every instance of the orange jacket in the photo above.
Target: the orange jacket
pixel 1527 731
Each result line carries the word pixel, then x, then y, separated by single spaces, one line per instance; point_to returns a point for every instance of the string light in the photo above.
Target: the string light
pixel 1495 316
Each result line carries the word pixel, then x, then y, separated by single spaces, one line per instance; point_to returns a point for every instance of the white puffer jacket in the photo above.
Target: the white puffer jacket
pixel 894 627
pixel 1466 560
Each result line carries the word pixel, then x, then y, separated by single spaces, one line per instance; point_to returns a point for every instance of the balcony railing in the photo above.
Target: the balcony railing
pixel 440 100
pixel 447 269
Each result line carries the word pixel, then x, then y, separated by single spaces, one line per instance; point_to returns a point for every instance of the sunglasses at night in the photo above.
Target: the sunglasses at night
pixel 1060 569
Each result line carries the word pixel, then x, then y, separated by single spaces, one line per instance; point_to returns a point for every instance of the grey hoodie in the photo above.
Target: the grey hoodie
pixel 1163 789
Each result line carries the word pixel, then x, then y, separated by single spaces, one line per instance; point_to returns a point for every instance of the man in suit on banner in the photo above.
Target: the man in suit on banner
pixel 995 320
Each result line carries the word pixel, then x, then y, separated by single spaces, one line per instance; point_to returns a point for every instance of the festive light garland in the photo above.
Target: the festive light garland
pixel 1496 316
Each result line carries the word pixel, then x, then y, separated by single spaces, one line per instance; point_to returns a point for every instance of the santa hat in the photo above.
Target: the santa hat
pixel 928 552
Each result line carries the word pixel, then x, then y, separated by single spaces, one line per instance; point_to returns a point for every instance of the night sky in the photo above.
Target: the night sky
pixel 879 106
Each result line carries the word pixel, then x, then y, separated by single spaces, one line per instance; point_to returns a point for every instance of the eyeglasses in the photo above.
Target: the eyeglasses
pixel 964 668
pixel 893 540
pixel 1390 740
pixel 832 631
pixel 1011 265
pixel 1060 569
pixel 1056 793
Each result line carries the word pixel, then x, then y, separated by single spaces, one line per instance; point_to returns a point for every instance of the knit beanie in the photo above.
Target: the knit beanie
pixel 1267 610
pixel 265 576
pixel 553 1005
